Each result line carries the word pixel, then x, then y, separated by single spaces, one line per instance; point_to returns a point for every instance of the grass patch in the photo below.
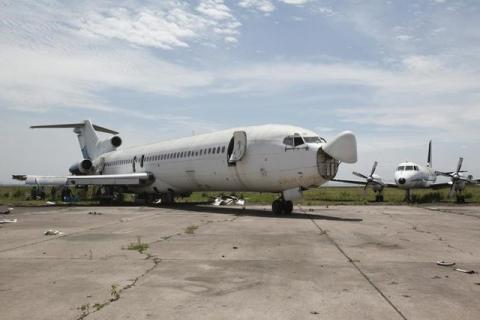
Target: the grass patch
pixel 191 229
pixel 138 246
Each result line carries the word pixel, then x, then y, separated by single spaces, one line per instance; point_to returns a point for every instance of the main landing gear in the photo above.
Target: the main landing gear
pixel 281 206
pixel 379 197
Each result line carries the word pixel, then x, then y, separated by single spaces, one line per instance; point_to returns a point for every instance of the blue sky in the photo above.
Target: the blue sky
pixel 397 73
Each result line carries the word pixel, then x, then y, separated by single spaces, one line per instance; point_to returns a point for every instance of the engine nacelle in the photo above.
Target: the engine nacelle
pixel 108 145
pixel 83 167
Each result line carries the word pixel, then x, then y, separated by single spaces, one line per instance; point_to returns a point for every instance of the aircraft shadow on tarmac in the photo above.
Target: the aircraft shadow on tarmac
pixel 201 207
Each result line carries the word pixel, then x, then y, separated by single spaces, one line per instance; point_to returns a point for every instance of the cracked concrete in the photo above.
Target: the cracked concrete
pixel 341 262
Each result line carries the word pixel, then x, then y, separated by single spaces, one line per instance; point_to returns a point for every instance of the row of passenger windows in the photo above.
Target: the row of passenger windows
pixel 407 168
pixel 168 156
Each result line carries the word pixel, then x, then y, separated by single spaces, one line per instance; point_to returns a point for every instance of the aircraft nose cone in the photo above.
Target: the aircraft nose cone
pixel 402 180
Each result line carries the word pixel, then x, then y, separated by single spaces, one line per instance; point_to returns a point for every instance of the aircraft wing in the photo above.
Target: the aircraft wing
pixel 441 185
pixel 391 185
pixel 103 180
pixel 350 181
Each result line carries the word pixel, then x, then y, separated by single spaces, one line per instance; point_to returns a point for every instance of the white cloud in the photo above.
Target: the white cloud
pixel 265 6
pixel 403 37
pixel 58 78
pixel 295 2
pixel 170 25
pixel 325 11
pixel 215 9
pixel 231 39
pixel 422 64
pixel 146 27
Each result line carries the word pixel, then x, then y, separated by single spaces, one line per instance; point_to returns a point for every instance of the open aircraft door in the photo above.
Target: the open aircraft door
pixel 237 147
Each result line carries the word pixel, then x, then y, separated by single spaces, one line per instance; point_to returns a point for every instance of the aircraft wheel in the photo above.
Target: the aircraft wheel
pixel 288 206
pixel 277 207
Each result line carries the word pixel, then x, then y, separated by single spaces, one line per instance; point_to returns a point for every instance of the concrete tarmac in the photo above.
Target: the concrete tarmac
pixel 337 262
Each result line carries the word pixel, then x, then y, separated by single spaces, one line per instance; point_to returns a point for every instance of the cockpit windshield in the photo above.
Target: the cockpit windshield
pixel 296 140
pixel 313 140
pixel 407 168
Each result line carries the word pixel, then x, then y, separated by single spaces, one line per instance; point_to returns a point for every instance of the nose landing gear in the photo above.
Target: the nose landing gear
pixel 281 206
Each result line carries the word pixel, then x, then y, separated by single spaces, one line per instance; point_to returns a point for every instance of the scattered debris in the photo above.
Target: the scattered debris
pixel 464 271
pixel 314 312
pixel 5 210
pixel 445 263
pixel 51 232
pixel 228 200
pixel 94 213
pixel 2 221
pixel 235 248
pixel 51 203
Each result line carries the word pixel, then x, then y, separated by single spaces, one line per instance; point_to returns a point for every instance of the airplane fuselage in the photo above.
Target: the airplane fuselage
pixel 410 175
pixel 200 163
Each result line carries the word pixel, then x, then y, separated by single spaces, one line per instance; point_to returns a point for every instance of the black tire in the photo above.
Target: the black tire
pixel 288 207
pixel 277 207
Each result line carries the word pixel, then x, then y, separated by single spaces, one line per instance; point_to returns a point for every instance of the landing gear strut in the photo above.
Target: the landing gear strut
pixel 379 197
pixel 280 206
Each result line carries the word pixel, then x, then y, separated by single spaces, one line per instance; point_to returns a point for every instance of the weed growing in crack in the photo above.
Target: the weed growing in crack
pixel 138 246
pixel 191 229
pixel 85 308
pixel 99 306
pixel 114 292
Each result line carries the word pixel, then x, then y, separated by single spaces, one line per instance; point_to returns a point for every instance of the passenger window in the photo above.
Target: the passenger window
pixel 218 150
pixel 201 151
pixel 223 149
pixel 213 150
pixel 196 153
pixel 209 150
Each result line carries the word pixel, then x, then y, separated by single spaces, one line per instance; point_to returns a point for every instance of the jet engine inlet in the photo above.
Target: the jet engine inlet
pixel 116 141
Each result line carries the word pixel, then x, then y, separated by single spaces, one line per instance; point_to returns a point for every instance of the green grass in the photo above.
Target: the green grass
pixel 138 246
pixel 20 196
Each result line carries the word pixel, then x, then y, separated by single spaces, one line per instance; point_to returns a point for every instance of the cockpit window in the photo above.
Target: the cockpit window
pixel 400 168
pixel 312 139
pixel 415 168
pixel 409 168
pixel 297 141
pixel 288 141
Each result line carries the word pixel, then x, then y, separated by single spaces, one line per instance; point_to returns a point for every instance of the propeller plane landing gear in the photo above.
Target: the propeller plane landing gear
pixel 280 206
pixel 379 197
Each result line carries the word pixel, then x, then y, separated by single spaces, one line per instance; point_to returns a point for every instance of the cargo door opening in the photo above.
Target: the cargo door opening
pixel 237 147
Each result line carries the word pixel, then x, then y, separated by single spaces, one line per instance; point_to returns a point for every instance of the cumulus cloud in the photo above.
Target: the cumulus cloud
pixel 215 9
pixel 170 25
pixel 265 6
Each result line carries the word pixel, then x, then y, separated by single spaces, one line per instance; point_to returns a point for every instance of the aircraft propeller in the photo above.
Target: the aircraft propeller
pixel 454 176
pixel 369 179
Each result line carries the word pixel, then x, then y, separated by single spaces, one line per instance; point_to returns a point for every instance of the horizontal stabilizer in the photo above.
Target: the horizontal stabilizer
pixel 74 125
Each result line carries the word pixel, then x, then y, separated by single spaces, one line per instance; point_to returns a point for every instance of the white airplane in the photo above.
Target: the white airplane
pixel 269 158
pixel 410 175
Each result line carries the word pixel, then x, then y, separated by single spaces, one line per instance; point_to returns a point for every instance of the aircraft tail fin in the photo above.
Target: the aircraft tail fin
pixel 90 145
pixel 429 158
